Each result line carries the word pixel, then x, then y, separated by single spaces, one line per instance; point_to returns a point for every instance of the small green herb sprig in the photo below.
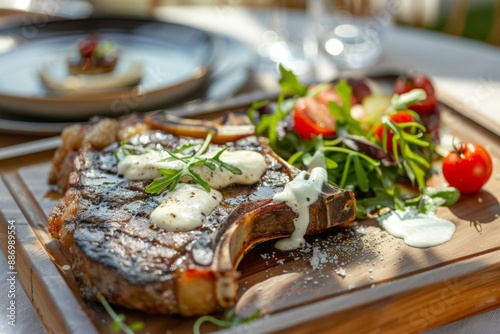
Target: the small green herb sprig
pixel 118 323
pixel 126 149
pixel 229 320
pixel 171 177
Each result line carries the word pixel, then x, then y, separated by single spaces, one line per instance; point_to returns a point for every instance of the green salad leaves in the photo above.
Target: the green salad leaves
pixel 385 160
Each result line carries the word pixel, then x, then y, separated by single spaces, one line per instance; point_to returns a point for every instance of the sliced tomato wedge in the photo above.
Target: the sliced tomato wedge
pixel 312 118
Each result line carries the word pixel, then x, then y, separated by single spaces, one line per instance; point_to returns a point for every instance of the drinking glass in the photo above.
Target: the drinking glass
pixel 280 46
pixel 350 32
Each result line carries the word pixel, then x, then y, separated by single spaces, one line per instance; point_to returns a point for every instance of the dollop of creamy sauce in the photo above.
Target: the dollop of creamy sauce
pixel 417 229
pixel 299 194
pixel 252 165
pixel 145 167
pixel 185 208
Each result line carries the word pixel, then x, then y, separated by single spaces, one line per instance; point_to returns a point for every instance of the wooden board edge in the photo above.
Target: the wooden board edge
pixel 392 307
pixel 51 297
pixel 461 108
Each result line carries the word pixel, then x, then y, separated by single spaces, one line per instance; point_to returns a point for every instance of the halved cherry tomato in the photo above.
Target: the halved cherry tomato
pixel 468 167
pixel 312 117
pixel 406 83
pixel 398 117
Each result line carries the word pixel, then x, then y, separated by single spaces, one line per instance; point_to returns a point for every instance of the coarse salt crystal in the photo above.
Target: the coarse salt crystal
pixel 340 271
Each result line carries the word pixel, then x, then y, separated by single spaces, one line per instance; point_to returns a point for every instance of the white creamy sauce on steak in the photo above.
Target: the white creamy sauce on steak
pixel 185 208
pixel 299 194
pixel 145 167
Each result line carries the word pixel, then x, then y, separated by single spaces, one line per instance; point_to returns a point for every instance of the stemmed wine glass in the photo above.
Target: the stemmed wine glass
pixel 350 33
pixel 278 46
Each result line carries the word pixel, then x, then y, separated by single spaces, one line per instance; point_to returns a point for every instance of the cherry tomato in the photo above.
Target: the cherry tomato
pixel 312 117
pixel 468 167
pixel 398 117
pixel 409 82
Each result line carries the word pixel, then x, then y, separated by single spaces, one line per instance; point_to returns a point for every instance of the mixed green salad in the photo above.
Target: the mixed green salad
pixel 371 143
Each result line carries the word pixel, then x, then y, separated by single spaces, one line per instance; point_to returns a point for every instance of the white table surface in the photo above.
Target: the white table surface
pixel 465 69
pixel 468 70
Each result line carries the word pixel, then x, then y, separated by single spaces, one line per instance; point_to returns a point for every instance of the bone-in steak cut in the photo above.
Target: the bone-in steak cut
pixel 104 222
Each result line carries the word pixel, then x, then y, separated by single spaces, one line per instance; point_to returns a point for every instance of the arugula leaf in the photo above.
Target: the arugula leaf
pixel 253 110
pixel 399 203
pixel 126 149
pixel 198 179
pixel 380 199
pixel 221 164
pixel 118 323
pixel 443 197
pixel 171 177
pixel 229 320
pixel 345 123
pixel 272 126
pixel 360 174
pixel 290 84
pixel 339 157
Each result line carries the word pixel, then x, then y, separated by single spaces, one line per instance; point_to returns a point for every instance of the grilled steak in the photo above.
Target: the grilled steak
pixel 104 222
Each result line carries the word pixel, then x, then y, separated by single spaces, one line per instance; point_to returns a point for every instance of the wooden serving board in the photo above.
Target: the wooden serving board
pixel 358 279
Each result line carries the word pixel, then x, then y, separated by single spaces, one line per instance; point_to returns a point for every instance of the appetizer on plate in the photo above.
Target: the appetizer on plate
pixel 96 65
pixel 95 56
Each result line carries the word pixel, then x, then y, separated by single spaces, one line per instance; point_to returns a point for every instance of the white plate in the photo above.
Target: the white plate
pixel 230 73
pixel 176 59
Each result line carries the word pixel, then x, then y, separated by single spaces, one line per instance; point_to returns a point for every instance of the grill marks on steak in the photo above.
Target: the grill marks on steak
pixel 117 250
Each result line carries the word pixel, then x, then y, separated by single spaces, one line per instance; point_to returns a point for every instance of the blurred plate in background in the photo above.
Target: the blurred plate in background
pixel 230 72
pixel 176 60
